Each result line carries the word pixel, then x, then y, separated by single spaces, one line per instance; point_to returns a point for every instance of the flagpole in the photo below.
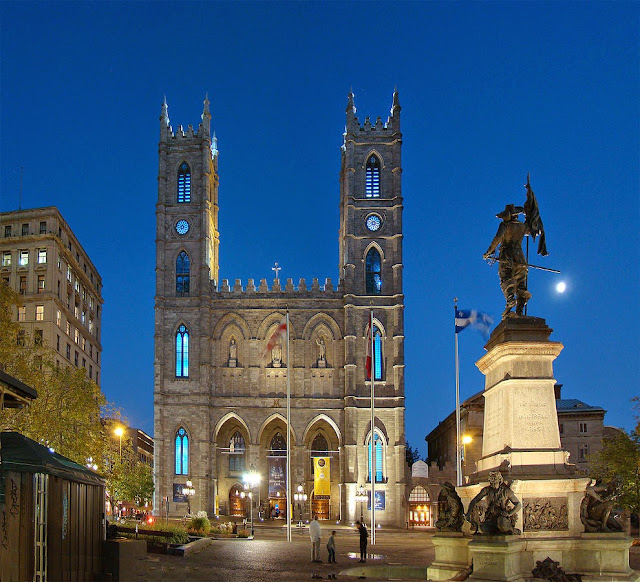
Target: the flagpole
pixel 458 458
pixel 373 455
pixel 288 433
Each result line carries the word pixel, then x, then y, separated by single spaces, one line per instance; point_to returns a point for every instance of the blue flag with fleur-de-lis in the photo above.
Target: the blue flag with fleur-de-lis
pixel 476 319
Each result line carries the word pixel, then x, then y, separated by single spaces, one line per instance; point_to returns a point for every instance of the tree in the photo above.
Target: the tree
pixel 411 454
pixel 620 458
pixel 66 414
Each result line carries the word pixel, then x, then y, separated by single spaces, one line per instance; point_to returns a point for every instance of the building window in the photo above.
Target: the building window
pixel 22 313
pixel 58 342
pixel 68 328
pixel 90 325
pixel 7 231
pixel 6 259
pixel 59 318
pixel 76 311
pixel 379 458
pixel 182 452
pixel 582 427
pixel 184 183
pixel 77 286
pixel 68 273
pixel 583 452
pixel 84 363
pixel 20 339
pixel 182 352
pixel 237 451
pixel 373 272
pixel 84 344
pixel 76 336
pixel 75 359
pixel 90 372
pixel 68 351
pixel 6 281
pixel 39 312
pixel 24 258
pixel 377 353
pixel 97 380
pixel 23 285
pixel 182 274
pixel 25 229
pixel 372 186
pixel 43 227
pixel 37 337
pixel 319 448
pixel 83 317
pixel 42 256
pixel 41 284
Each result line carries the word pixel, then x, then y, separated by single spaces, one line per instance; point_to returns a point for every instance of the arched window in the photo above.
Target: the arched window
pixel 373 272
pixel 182 274
pixel 182 452
pixel 377 353
pixel 184 183
pixel 278 445
pixel 236 452
pixel 182 352
pixel 379 458
pixel 419 493
pixel 319 448
pixel 372 186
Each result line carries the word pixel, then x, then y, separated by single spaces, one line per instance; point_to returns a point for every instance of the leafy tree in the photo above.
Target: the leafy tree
pixel 66 414
pixel 620 458
pixel 411 454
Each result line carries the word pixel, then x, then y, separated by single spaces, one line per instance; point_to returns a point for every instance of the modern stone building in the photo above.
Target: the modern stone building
pixel 220 407
pixel 61 288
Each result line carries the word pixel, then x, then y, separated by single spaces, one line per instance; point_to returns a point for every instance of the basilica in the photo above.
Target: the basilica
pixel 220 400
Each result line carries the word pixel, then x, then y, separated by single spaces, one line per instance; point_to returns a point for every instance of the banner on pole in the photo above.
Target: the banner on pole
pixel 321 476
pixel 380 500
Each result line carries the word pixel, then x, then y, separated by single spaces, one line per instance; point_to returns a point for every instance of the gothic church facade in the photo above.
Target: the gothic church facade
pixel 220 407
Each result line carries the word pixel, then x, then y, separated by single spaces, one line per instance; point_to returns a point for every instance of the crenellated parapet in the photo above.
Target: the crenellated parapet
pixel 302 290
pixel 378 128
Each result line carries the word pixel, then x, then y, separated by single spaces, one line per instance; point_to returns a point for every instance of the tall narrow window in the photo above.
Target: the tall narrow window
pixel 319 448
pixel 372 186
pixel 182 451
pixel 377 353
pixel 237 451
pixel 184 183
pixel 39 312
pixel 42 256
pixel 182 352
pixel 182 274
pixel 373 272
pixel 6 259
pixel 378 460
pixel 24 258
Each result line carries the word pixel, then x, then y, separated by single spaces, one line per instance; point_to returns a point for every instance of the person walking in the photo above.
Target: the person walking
pixel 315 532
pixel 364 534
pixel 331 547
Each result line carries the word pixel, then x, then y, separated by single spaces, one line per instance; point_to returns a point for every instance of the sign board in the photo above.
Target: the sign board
pixel 380 500
pixel 178 497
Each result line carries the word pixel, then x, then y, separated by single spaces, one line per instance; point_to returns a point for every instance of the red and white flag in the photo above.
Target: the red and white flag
pixel 280 332
pixel 367 363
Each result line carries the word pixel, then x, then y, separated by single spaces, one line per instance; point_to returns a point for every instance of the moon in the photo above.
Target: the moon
pixel 561 287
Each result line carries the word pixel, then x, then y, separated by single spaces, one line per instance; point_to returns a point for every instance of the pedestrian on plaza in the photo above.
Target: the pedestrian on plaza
pixel 331 547
pixel 364 534
pixel 315 533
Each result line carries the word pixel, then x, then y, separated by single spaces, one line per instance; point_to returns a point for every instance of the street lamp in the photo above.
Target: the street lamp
pixel 251 479
pixel 300 497
pixel 188 491
pixel 466 439
pixel 361 498
pixel 119 432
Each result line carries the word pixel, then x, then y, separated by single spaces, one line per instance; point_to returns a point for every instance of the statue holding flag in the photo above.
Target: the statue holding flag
pixel 513 264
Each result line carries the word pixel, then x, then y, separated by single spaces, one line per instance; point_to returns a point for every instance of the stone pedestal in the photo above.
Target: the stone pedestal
pixel 499 558
pixel 452 556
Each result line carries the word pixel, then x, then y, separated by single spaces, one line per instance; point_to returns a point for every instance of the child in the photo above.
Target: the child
pixel 331 547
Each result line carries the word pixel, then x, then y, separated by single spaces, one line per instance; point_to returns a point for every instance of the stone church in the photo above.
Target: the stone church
pixel 220 404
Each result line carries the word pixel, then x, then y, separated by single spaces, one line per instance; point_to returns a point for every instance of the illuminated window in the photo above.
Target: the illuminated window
pixel 42 256
pixel 39 312
pixel 68 273
pixel 76 336
pixel 182 352
pixel 373 272
pixel 182 451
pixel 24 258
pixel 77 286
pixel 68 328
pixel 377 353
pixel 41 284
pixel 182 274
pixel 184 183
pixel 372 186
pixel 379 458
pixel 6 259
pixel 22 313
pixel 237 451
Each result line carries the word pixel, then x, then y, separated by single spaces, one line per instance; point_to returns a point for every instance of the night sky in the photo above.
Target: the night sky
pixel 489 92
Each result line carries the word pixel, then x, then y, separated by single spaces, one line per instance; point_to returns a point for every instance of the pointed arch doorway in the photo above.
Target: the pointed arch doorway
pixel 277 460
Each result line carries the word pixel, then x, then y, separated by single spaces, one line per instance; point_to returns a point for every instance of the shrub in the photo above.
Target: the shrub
pixel 199 524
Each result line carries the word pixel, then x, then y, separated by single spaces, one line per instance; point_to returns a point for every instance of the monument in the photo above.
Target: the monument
pixel 524 504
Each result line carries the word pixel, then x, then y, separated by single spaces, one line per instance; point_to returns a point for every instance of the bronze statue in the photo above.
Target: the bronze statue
pixel 502 507
pixel 450 509
pixel 595 509
pixel 513 264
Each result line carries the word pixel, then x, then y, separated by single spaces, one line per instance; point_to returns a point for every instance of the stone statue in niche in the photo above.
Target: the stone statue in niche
pixel 276 356
pixel 322 352
pixel 502 508
pixel 233 353
pixel 595 509
pixel 450 509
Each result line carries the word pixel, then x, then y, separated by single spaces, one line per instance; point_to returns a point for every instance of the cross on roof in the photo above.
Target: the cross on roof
pixel 277 269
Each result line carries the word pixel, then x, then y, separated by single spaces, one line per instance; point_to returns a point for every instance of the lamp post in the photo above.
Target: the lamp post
pixel 466 439
pixel 361 497
pixel 119 432
pixel 300 497
pixel 251 479
pixel 188 491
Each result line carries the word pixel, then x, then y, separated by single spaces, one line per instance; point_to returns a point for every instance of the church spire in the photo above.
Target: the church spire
pixel 206 116
pixel 351 110
pixel 396 102
pixel 164 119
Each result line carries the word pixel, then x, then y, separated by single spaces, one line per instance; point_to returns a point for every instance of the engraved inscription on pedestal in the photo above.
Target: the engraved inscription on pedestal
pixel 535 420
pixel 545 514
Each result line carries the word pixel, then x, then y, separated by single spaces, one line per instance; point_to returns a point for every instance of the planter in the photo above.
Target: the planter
pixel 155 547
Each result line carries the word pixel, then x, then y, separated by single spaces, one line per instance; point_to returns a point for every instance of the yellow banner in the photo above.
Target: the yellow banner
pixel 321 476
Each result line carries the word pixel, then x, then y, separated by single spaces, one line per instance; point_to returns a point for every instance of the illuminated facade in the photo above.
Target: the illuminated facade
pixel 220 408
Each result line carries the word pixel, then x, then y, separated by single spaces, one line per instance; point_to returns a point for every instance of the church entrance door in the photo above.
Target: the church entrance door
pixel 320 506
pixel 236 502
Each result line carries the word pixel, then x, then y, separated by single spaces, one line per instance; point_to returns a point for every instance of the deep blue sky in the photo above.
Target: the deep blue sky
pixel 489 92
